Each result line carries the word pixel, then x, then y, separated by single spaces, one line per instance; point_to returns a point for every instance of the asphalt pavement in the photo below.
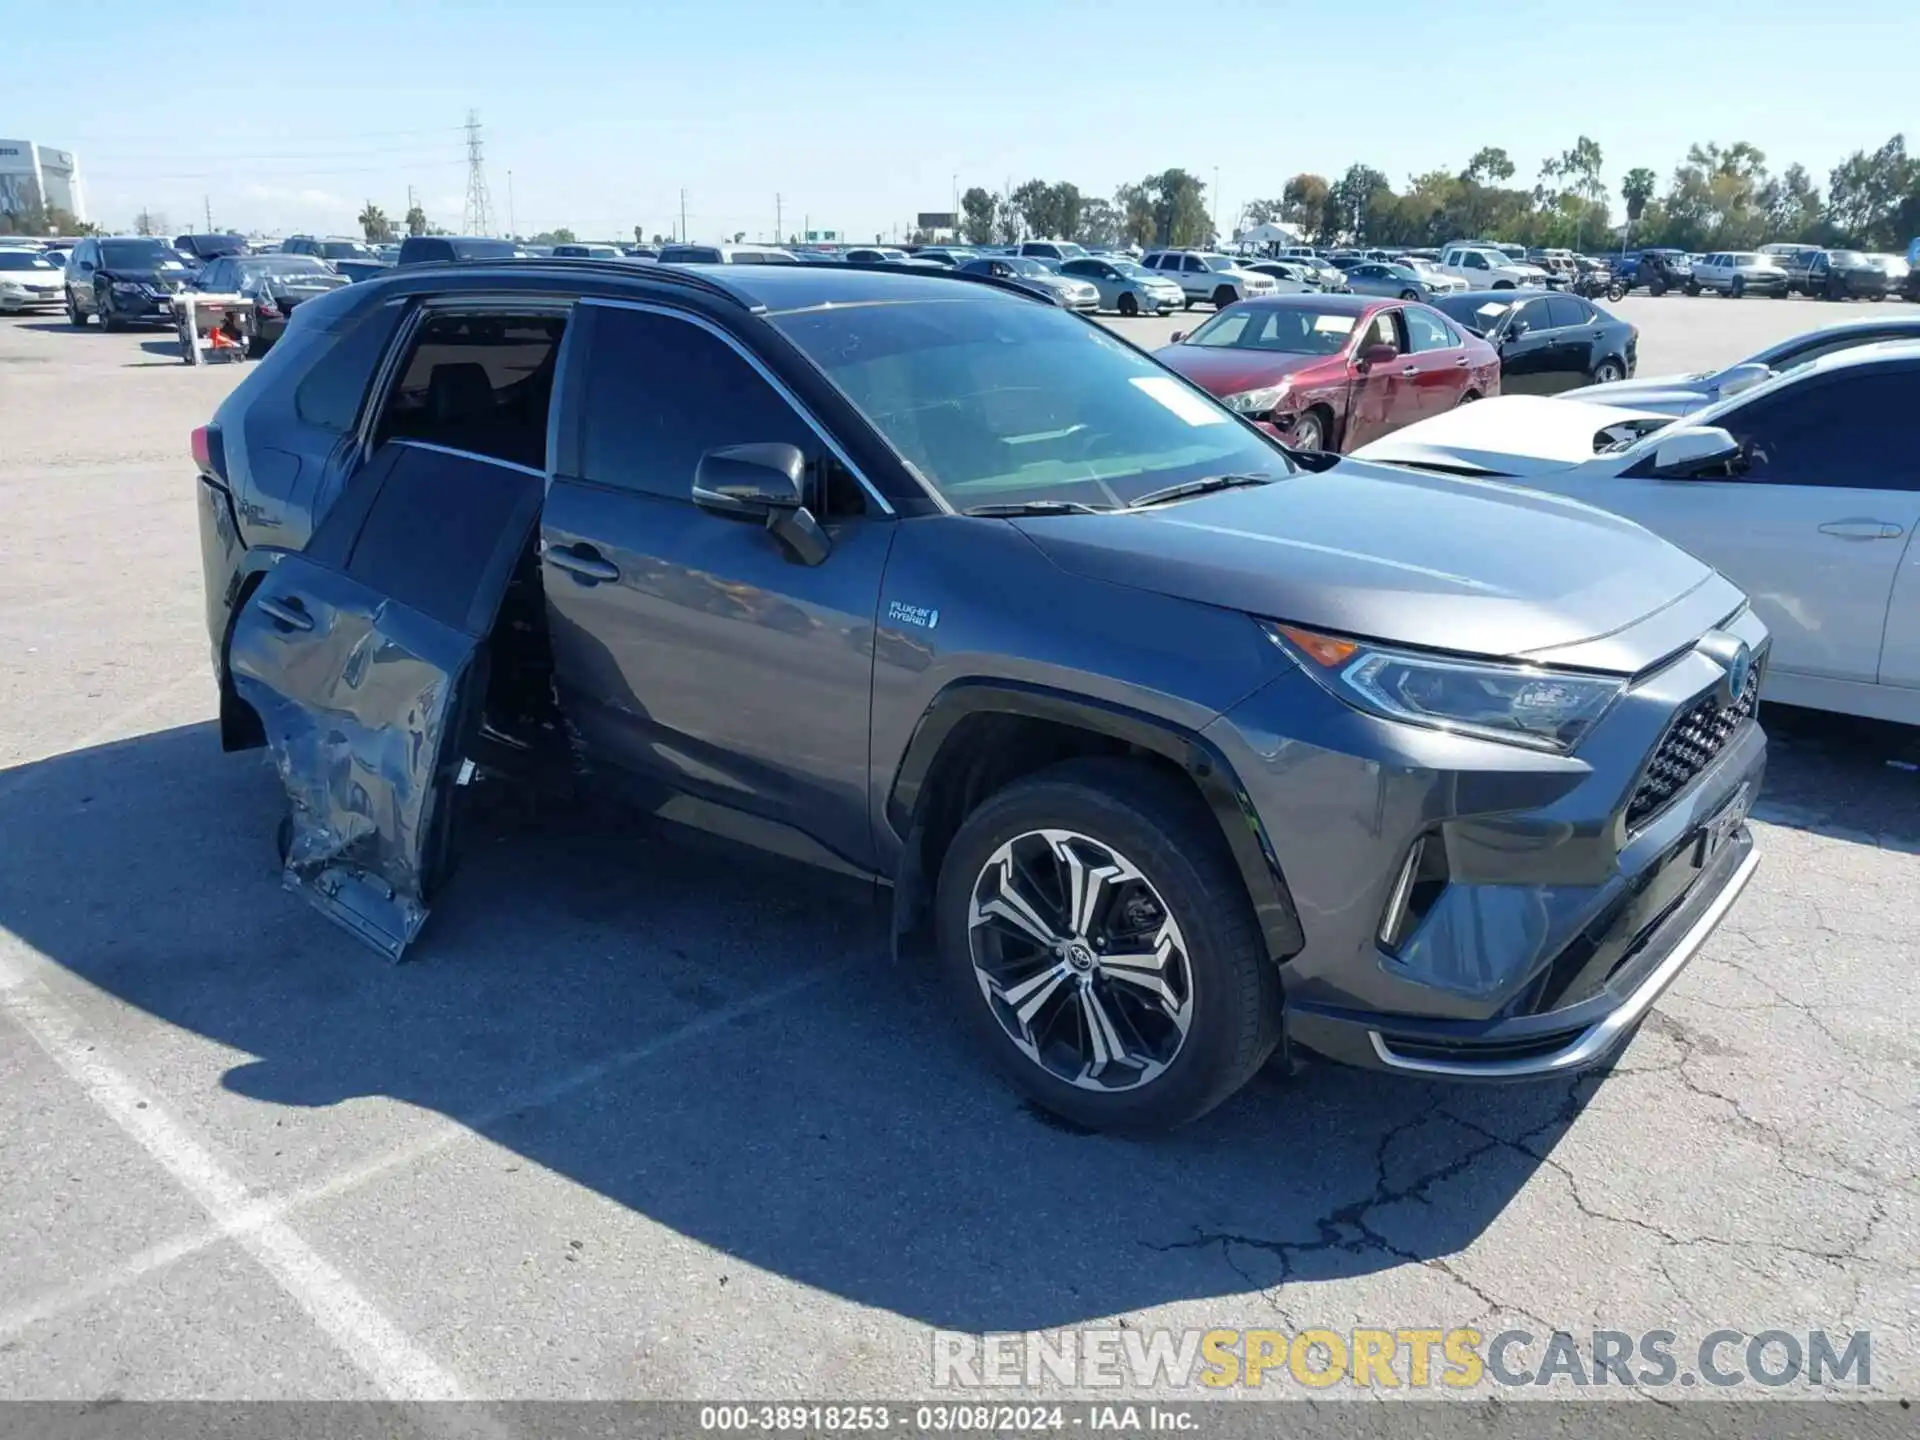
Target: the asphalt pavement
pixel 647 1117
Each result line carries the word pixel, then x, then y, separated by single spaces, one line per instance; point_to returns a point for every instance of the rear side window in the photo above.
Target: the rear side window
pixel 330 393
pixel 1565 310
pixel 661 392
pixel 478 383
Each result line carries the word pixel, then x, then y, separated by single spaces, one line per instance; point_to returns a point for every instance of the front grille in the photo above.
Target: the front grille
pixel 1697 735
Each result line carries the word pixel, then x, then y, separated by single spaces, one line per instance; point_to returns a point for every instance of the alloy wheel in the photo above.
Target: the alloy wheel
pixel 1607 373
pixel 1306 434
pixel 1081 962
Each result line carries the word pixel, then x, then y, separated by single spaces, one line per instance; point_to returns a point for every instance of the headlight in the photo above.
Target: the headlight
pixel 1257 402
pixel 1516 704
pixel 12 287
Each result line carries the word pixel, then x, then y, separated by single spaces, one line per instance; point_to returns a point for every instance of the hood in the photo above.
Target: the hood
pixel 1431 561
pixel 1666 394
pixel 1222 371
pixel 1511 435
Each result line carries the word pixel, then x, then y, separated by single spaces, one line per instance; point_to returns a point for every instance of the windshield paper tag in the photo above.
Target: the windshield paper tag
pixel 1334 324
pixel 1180 400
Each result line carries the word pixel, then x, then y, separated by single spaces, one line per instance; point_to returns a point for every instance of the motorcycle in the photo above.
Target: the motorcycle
pixel 1593 284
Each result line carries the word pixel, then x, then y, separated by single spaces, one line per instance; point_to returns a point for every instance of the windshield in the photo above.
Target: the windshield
pixel 22 260
pixel 347 250
pixel 1132 271
pixel 1477 314
pixel 1220 262
pixel 1027 265
pixel 1289 330
pixel 1070 251
pixel 1012 403
pixel 139 255
pixel 1847 257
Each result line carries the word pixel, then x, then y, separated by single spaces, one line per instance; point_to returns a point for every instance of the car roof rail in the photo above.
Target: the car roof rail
pixel 941 272
pixel 626 268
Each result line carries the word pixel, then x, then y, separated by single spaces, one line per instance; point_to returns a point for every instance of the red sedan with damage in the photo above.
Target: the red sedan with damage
pixel 1331 372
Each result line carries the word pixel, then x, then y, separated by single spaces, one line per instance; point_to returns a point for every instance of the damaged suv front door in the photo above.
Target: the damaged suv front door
pixel 365 656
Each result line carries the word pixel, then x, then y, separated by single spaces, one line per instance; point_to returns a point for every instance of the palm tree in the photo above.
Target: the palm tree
pixel 374 223
pixel 1636 188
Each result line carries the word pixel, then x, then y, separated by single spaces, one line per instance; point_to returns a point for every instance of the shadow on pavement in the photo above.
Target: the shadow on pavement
pixel 1847 778
pixel 843 1137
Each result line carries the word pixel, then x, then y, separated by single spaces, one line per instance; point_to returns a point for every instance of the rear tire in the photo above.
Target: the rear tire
pixel 1608 371
pixel 1693 287
pixel 1187 303
pixel 1183 1045
pixel 1737 289
pixel 1128 306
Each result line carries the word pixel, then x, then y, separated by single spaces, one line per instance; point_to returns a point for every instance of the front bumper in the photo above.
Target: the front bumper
pixel 142 306
pixel 1763 284
pixel 18 301
pixel 1553 924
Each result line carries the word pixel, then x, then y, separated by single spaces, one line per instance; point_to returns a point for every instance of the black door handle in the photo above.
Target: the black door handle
pixel 585 562
pixel 289 612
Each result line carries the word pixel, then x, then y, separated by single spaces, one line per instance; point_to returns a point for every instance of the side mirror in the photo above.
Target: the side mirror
pixel 764 482
pixel 1516 329
pixel 1378 355
pixel 1742 377
pixel 1177 337
pixel 1693 449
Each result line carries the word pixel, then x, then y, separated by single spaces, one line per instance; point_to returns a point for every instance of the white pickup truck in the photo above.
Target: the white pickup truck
pixel 1485 268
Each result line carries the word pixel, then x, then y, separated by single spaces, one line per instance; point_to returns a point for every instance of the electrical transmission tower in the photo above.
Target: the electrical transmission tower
pixel 477 219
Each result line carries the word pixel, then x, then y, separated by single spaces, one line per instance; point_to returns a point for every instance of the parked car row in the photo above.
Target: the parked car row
pixel 1792 474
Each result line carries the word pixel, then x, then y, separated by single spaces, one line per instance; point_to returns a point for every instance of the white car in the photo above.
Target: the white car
pixel 1124 286
pixel 29 281
pixel 1216 279
pixel 1804 491
pixel 1485 268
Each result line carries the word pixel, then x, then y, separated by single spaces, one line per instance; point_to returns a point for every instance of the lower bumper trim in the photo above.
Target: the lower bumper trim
pixel 1593 1043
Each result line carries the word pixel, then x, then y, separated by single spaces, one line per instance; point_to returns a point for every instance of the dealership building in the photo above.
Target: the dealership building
pixel 29 172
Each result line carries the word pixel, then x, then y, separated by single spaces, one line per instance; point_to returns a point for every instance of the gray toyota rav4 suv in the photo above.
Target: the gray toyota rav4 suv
pixel 1179 748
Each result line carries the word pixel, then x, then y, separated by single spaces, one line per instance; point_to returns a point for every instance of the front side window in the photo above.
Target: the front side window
pixel 1000 403
pixel 661 392
pixel 1427 331
pixel 1854 430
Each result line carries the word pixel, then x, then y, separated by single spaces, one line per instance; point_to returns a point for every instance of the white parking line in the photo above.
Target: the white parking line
pixel 257 1214
pixel 382 1351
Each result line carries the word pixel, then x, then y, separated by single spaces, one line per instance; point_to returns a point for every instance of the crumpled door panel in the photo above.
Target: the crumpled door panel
pixel 368 702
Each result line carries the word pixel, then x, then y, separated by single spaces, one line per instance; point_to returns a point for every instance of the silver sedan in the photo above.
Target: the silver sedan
pixel 1125 286
pixel 1377 277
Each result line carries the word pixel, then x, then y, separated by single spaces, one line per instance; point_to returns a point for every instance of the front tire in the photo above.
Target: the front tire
pixel 1223 297
pixel 1101 946
pixel 1309 432
pixel 1128 306
pixel 103 306
pixel 76 317
pixel 1409 294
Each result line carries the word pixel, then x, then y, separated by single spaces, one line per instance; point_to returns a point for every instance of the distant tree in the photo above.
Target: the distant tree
pixel 561 236
pixel 1179 203
pixel 151 222
pixel 1490 165
pixel 1304 200
pixel 1792 205
pixel 639 236
pixel 1100 222
pixel 977 209
pixel 416 221
pixel 1353 194
pixel 1264 212
pixel 1136 214
pixel 1636 189
pixel 1866 193
pixel 374 223
pixel 1034 202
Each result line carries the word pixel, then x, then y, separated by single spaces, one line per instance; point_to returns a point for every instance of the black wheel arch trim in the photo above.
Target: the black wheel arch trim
pixel 1197 757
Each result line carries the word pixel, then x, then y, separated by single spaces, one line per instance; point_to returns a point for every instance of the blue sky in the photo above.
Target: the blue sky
pixel 860 114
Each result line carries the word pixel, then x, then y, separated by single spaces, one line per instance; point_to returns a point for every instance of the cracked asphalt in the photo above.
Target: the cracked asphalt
pixel 651 1118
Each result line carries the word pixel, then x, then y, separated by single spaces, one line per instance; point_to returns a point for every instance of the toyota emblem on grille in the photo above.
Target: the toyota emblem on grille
pixel 1734 656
